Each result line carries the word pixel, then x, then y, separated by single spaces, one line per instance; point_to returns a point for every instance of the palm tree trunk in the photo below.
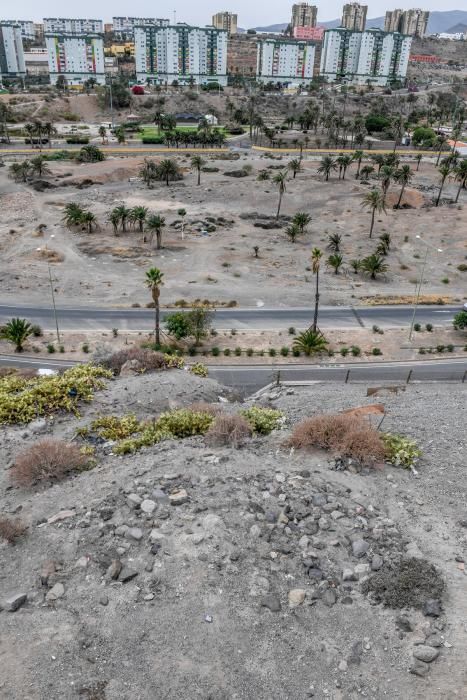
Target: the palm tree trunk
pixel 315 317
pixel 462 183
pixel 156 323
pixel 199 176
pixel 400 196
pixel 439 156
pixel 439 193
pixel 158 240
pixel 372 221
pixel 279 205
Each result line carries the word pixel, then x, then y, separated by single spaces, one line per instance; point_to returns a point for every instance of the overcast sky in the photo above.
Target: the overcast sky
pixel 250 13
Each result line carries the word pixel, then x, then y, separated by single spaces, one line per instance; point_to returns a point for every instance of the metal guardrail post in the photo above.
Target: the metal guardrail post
pixel 347 376
pixel 409 376
pixel 464 376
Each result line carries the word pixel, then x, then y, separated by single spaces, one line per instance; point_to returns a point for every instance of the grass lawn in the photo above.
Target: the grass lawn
pixel 152 130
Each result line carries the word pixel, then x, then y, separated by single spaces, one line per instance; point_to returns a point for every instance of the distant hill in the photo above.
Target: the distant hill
pixel 438 22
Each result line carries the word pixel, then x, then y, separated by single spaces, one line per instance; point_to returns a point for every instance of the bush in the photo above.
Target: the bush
pixel 215 352
pixel 401 451
pixel 115 427
pixel 78 139
pixel 227 352
pixel 295 352
pixel 355 350
pixel 47 460
pixel 408 583
pixel 192 351
pixel 450 347
pixel 376 351
pixel 460 321
pixel 238 351
pixel 346 435
pixel 36 331
pixel 50 348
pixel 153 139
pixel 291 330
pixel 344 352
pixel 284 351
pixel 377 329
pixel 422 351
pixel 199 369
pixel 272 352
pixel 249 352
pixel 228 430
pixel 11 529
pixel 85 348
pixel 183 423
pixel 263 420
pixel 440 348
pixel 376 122
pixel 417 327
pixel 429 327
pixel 146 360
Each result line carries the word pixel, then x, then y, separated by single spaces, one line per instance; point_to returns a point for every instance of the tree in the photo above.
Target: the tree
pixel 20 172
pixel 301 219
pixel 280 179
pixel 124 213
pixel 102 133
pixel 335 240
pixel 418 158
pixel 294 166
pixel 316 256
pixel 114 219
pixel 154 281
pixel 440 142
pixel 374 201
pixel 39 166
pixel 461 176
pixel 201 318
pixel 460 321
pixel 386 174
pixel 327 165
pixel 197 162
pixel 73 214
pixel 139 215
pixel 155 224
pixel 178 324
pixel 310 342
pixel 444 171
pixel 148 172
pixel 120 134
pixel 17 331
pixel 343 161
pixel 167 170
pixel 356 265
pixel 335 261
pixel 182 215
pixel 293 231
pixel 403 176
pixel 89 220
pixel 90 154
pixel 366 172
pixel 384 244
pixel 379 160
pixel 29 129
pixel 374 265
pixel 358 157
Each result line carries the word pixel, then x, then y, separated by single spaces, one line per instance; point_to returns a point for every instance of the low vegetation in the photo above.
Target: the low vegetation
pixel 48 461
pixel 11 529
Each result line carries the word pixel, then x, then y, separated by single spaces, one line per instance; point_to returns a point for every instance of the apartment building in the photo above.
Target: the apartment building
pixel 226 21
pixel 124 27
pixel 12 63
pixel 37 62
pixel 371 57
pixel 308 33
pixel 354 16
pixel 285 61
pixel 410 22
pixel 303 15
pixel 76 57
pixel 60 25
pixel 27 28
pixel 180 53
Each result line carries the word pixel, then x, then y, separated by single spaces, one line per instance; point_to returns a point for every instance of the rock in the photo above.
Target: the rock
pixel 329 597
pixel 419 668
pixel 148 506
pixel 255 530
pixel 130 368
pixel 178 497
pixel 403 623
pixel 324 524
pixel 104 600
pixel 13 602
pixel 303 542
pixel 160 496
pixel 434 640
pixel 271 602
pixel 423 652
pixel 347 600
pixel 62 515
pixel 360 548
pixel 114 569
pixel 38 426
pixel 296 597
pixel 355 656
pixel 362 570
pixel 376 562
pixel 319 499
pixel 47 571
pixel 133 500
pixel 337 514
pixel 55 593
pixel 212 523
pixel 127 574
pixel 134 533
pixel 149 596
pixel 432 608
pixel 348 575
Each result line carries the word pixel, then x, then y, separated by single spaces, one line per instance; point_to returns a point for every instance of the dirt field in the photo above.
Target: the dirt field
pixel 103 269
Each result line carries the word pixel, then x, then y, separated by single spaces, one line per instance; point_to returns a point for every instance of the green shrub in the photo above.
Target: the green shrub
pixel 249 352
pixel 263 420
pixel 445 280
pixel 61 348
pixel 199 369
pixel 238 351
pixel 344 352
pixel 429 327
pixel 215 352
pixel 450 347
pixel 355 350
pixel 227 352
pixel 376 351
pixel 417 327
pixel 284 351
pixel 401 451
pixel 422 351
pixel 272 352
pixel 291 330
pixel 78 139
pixel 183 423
pixel 295 352
pixel 36 331
pixel 85 348
pixel 440 348
pixel 50 348
pixel 192 350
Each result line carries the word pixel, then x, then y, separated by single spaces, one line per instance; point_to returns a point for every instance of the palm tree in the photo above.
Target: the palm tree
pixel 403 176
pixel 301 219
pixel 280 180
pixel 444 171
pixel 89 220
pixel 334 242
pixel 384 244
pixel 310 342
pixel 440 141
pixel 374 265
pixel 386 174
pixel 196 164
pixel 316 256
pixel 39 166
pixel 293 231
pixel 374 201
pixel 167 169
pixel 461 176
pixel 379 160
pixel 114 219
pixel 155 224
pixel 327 165
pixel 73 214
pixel 138 215
pixel 358 156
pixel 356 265
pixel 148 172
pixel 344 160
pixel 182 214
pixel 418 158
pixel 20 171
pixel 294 166
pixel 29 129
pixel 102 133
pixel 366 171
pixel 17 330
pixel 335 261
pixel 154 282
pixel 49 130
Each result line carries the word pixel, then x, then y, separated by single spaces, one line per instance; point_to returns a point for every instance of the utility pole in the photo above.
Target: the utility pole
pixel 419 286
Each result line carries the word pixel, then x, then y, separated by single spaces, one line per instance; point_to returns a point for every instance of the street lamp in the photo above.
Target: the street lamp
pixel 52 291
pixel 418 288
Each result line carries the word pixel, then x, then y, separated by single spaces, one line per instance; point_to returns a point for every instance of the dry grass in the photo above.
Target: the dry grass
pixel 204 407
pixel 344 434
pixel 24 372
pixel 429 299
pixel 52 256
pixel 228 430
pixel 11 529
pixel 47 460
pixel 147 360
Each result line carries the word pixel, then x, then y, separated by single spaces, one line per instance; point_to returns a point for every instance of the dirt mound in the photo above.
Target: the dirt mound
pixel 110 170
pixel 411 199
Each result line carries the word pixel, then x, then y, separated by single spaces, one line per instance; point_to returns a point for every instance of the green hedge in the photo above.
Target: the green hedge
pixel 152 139
pixel 77 139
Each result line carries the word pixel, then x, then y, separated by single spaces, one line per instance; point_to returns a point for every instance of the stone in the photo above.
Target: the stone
pixel 323 524
pixel 133 500
pixel 419 668
pixel 47 571
pixel 178 497
pixel 348 575
pixel 376 562
pixel 38 426
pixel 55 593
pixel 434 640
pixel 296 597
pixel 104 600
pixel 355 656
pixel 114 569
pixel 148 506
pixel 134 533
pixel 362 570
pixel 319 500
pixel 160 496
pixel 329 597
pixel 255 530
pixel 423 652
pixel 360 548
pixel 271 602
pixel 403 623
pixel 82 562
pixel 13 602
pixel 127 574
pixel 303 542
pixel 432 608
pixel 61 515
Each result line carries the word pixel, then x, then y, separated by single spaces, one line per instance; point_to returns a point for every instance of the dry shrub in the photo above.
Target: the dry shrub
pixel 11 529
pixel 52 256
pixel 47 460
pixel 148 360
pixel 228 430
pixel 345 434
pixel 24 372
pixel 205 407
pixel 408 583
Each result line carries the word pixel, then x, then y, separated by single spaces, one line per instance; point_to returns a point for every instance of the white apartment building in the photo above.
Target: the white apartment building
pixel 125 26
pixel 27 28
pixel 285 61
pixel 180 53
pixel 12 63
pixel 59 25
pixel 370 57
pixel 76 57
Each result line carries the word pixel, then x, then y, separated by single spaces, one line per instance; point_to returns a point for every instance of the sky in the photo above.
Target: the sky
pixel 250 14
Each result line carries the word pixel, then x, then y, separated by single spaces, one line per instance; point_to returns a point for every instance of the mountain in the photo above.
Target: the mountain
pixel 438 22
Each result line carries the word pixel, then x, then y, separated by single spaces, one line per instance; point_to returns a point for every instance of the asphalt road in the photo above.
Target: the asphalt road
pixel 250 378
pixel 90 318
